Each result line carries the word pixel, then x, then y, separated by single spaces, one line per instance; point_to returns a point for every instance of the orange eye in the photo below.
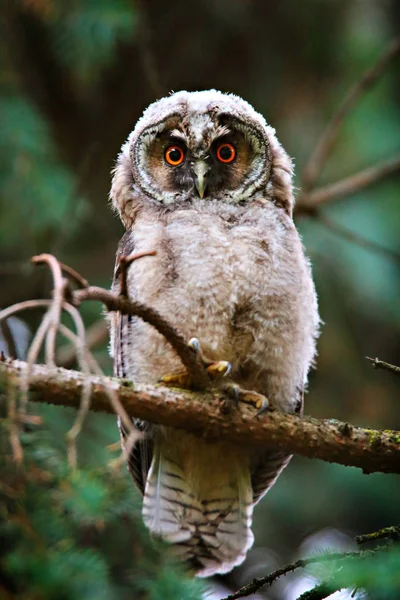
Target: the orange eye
pixel 226 153
pixel 174 155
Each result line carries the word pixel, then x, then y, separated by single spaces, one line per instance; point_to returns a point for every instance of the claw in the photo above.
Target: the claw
pixel 194 344
pixel 215 369
pixel 262 406
pixel 238 394
pixel 259 401
pixel 218 368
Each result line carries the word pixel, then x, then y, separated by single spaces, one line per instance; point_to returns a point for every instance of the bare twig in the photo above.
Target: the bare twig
pixel 130 307
pixel 77 277
pixel 124 262
pixel 110 391
pixel 201 414
pixel 392 533
pixel 84 405
pixel 307 202
pixel 380 364
pixel 95 335
pixel 32 356
pixel 15 443
pixel 33 351
pixel 356 239
pixel 55 310
pixel 20 306
pixel 324 587
pixel 329 135
pixel 256 584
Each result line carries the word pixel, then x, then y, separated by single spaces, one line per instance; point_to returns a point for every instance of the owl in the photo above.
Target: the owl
pixel 203 182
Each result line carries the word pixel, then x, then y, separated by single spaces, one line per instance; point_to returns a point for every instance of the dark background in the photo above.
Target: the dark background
pixel 75 76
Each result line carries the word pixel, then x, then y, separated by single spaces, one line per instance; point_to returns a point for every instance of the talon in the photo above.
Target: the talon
pixel 259 401
pixel 234 391
pixel 218 368
pixel 194 344
pixel 262 406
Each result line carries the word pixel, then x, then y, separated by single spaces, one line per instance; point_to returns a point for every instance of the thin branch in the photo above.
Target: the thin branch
pixel 123 263
pixel 380 364
pixel 302 563
pixel 392 533
pixel 200 413
pixel 96 369
pixel 15 442
pixel 307 202
pixel 322 590
pixel 32 356
pixel 20 306
pixel 329 135
pixel 77 277
pixel 96 334
pixel 356 239
pixel 56 305
pixel 256 584
pixel 81 353
pixel 130 307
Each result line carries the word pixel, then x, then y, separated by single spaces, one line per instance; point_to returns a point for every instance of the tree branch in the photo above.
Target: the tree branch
pixel 392 532
pixel 308 202
pixel 126 306
pixel 381 364
pixel 302 563
pixel 96 334
pixel 327 440
pixel 329 135
pixel 256 584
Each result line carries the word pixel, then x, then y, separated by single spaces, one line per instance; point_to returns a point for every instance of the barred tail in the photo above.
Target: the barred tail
pixel 209 526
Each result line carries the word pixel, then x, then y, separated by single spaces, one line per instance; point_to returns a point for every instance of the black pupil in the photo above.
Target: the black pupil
pixel 225 152
pixel 175 154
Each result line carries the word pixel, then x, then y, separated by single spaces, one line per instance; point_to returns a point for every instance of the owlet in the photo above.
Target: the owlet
pixel 203 181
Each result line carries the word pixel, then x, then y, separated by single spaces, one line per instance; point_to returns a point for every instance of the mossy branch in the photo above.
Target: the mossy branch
pixel 203 413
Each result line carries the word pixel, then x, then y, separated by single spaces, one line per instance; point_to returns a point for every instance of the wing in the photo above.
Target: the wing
pixel 266 472
pixel 271 464
pixel 141 455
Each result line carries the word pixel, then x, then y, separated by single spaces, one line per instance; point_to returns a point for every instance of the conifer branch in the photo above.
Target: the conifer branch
pixel 202 414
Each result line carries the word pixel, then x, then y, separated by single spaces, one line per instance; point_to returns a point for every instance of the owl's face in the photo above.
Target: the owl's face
pixel 200 145
pixel 200 154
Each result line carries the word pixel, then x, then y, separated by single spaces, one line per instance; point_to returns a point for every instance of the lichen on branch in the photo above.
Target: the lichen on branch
pixel 202 413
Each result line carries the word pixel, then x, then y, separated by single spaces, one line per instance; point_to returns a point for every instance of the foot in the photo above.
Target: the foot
pixel 215 369
pixel 260 402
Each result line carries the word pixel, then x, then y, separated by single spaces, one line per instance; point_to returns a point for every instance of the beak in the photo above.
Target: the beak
pixel 200 170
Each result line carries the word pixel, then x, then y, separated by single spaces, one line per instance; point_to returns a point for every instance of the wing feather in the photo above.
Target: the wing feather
pixel 141 454
pixel 271 464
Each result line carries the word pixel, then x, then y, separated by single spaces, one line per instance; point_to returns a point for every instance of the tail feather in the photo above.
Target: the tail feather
pixel 211 530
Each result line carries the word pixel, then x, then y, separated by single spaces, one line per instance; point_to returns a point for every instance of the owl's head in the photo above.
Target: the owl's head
pixel 200 145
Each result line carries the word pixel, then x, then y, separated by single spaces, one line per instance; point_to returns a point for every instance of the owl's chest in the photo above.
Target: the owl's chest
pixel 200 259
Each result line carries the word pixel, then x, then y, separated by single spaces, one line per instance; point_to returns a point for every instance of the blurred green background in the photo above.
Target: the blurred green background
pixel 75 76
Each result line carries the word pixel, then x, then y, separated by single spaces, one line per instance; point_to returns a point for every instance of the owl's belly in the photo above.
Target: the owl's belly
pixel 194 282
pixel 222 286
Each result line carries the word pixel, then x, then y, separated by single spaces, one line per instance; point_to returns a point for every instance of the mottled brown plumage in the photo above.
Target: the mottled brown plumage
pixel 229 270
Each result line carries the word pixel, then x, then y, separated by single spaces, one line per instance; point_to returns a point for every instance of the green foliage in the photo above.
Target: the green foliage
pixel 78 534
pixel 38 192
pixel 376 572
pixel 85 33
